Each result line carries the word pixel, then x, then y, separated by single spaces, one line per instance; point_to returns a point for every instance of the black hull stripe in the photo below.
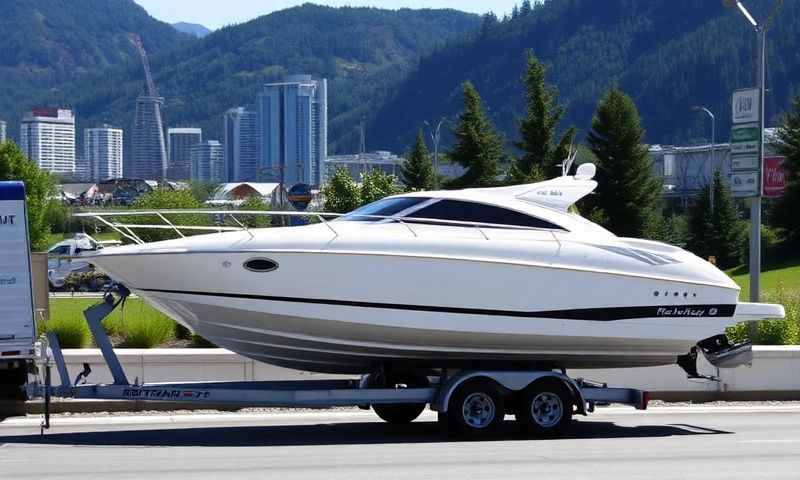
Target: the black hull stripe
pixel 595 314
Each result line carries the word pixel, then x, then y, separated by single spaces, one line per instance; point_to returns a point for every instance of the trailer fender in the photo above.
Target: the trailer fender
pixel 510 380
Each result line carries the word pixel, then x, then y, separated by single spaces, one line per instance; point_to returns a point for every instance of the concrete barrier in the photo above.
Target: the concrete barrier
pixel 773 375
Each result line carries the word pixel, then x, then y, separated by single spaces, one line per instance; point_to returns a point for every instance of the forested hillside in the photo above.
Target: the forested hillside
pixel 48 43
pixel 364 52
pixel 667 54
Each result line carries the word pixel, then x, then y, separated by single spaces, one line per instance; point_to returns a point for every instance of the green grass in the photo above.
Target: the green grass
pixel 784 275
pixel 137 325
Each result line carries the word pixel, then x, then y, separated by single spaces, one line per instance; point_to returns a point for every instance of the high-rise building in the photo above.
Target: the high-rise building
pixel 103 152
pixel 208 162
pixel 293 118
pixel 240 127
pixel 83 170
pixel 148 152
pixel 180 142
pixel 47 137
pixel 2 131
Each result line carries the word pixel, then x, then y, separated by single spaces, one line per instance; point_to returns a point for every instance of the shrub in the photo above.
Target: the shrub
pixel 142 332
pixel 774 332
pixel 72 332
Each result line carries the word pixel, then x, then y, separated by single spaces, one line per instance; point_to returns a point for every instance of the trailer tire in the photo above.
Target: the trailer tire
pixel 545 408
pixel 476 409
pixel 402 413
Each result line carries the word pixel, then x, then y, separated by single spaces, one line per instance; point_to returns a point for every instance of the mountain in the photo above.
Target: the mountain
pixel 48 43
pixel 364 52
pixel 667 54
pixel 193 29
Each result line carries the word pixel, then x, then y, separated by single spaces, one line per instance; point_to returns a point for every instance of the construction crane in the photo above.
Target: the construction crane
pixel 136 40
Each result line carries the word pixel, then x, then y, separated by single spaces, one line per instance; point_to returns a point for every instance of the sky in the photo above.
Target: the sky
pixel 218 13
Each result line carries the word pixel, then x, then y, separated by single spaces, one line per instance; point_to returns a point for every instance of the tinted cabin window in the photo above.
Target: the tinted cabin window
pixel 386 207
pixel 456 210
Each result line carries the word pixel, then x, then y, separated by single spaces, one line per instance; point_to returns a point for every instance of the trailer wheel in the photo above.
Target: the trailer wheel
pixel 400 413
pixel 545 408
pixel 476 409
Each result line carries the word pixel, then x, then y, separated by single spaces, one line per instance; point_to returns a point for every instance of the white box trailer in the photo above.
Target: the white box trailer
pixel 17 322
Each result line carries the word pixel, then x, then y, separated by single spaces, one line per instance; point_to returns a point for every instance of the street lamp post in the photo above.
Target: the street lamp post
pixel 755 203
pixel 436 135
pixel 713 149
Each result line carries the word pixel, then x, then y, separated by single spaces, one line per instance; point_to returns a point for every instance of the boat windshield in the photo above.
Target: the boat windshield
pixel 385 207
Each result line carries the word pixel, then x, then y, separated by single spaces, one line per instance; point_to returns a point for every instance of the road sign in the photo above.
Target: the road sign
pixel 744 184
pixel 774 176
pixel 746 106
pixel 744 138
pixel 745 162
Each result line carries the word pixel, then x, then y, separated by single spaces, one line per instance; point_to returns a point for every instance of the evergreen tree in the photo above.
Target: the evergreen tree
pixel 537 129
pixel 489 22
pixel 515 12
pixel 628 192
pixel 716 232
pixel 478 148
pixel 727 225
pixel 417 169
pixel 39 187
pixel 526 8
pixel 786 211
pixel 699 239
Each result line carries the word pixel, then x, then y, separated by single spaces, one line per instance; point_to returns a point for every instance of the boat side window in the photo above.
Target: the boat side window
pixel 461 211
pixel 385 207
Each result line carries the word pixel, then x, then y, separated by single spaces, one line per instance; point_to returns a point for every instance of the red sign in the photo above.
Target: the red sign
pixel 774 176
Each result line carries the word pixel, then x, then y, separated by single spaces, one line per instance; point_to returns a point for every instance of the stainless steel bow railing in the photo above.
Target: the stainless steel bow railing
pixel 127 229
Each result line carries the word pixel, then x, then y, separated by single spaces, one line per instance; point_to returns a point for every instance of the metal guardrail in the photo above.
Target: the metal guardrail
pixel 127 229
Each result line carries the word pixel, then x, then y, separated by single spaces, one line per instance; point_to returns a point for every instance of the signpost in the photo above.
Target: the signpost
pixel 747 150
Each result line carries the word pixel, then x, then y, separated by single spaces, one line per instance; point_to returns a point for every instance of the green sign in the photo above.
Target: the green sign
pixel 744 138
pixel 747 132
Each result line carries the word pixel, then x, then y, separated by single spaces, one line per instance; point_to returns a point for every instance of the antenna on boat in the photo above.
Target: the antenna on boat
pixel 571 156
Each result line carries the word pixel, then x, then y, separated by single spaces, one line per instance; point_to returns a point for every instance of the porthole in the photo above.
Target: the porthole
pixel 260 265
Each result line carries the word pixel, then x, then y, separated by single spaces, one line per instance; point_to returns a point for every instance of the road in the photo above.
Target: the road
pixel 663 443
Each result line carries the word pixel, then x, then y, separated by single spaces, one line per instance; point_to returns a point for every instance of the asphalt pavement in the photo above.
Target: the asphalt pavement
pixel 615 443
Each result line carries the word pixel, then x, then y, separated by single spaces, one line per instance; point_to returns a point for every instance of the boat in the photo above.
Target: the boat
pixel 506 277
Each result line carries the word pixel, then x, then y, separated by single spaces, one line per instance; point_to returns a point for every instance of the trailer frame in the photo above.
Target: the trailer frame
pixel 292 394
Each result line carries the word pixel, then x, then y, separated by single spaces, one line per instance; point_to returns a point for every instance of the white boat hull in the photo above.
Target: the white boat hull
pixel 410 311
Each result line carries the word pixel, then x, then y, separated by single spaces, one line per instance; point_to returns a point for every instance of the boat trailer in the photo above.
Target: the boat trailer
pixel 291 394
